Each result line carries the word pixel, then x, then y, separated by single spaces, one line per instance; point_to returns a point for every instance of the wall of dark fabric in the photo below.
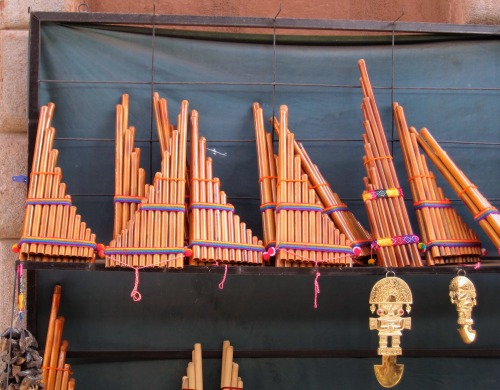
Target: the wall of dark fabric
pixel 449 86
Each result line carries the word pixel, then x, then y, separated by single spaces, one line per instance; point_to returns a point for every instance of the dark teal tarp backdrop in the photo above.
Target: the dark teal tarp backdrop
pixel 450 86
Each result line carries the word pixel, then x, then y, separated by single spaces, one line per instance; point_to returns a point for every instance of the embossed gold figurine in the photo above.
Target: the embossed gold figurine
pixel 463 296
pixel 389 298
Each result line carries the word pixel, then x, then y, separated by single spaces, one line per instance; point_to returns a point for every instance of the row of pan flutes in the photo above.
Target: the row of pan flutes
pixel 229 380
pixel 185 214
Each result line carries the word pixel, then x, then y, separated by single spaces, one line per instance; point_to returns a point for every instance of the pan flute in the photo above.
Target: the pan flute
pixel 150 219
pixel 304 234
pixel 52 229
pixel 56 372
pixel 331 203
pixel 216 232
pixel 447 238
pixel 487 216
pixel 394 241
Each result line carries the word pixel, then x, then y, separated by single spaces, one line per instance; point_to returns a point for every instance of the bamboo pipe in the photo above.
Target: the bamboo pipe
pixel 426 218
pixel 65 376
pixel 194 226
pixel 202 191
pixel 118 169
pixel 198 367
pixel 181 196
pixel 210 211
pixel 174 169
pixel 56 344
pixel 227 368
pixel 71 384
pixel 282 188
pixel 60 364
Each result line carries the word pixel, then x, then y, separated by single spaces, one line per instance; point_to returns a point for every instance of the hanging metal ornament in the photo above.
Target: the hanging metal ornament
pixel 389 298
pixel 463 296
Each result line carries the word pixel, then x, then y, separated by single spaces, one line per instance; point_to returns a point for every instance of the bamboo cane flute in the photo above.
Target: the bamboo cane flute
pixel 174 171
pixel 194 227
pixel 56 344
pixel 456 186
pixel 210 211
pixel 182 180
pixel 282 185
pixel 203 184
pixel 60 364
pixel 71 384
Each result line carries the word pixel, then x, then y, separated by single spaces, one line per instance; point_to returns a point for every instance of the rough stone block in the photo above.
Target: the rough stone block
pixel 13 162
pixel 13 80
pixel 482 12
pixel 15 14
pixel 7 272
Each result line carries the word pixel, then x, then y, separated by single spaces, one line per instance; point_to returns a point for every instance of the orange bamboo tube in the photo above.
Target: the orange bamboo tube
pixel 65 376
pixel 305 218
pixel 297 198
pixel 173 184
pixel 218 219
pixel 182 155
pixel 159 124
pixel 56 344
pixel 60 364
pixel 237 237
pixel 49 341
pixel 227 368
pixel 234 374
pixel 165 191
pixel 203 198
pixel 71 384
pixel 225 344
pixel 289 191
pixel 194 226
pixel 210 211
pixel 166 126
pixel 198 367
pixel 118 169
pixel 224 227
pixel 282 257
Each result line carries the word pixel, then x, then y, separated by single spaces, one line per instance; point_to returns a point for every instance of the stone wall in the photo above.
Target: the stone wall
pixel 14 24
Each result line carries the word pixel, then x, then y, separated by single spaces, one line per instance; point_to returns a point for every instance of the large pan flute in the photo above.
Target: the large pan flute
pixel 447 238
pixel 216 232
pixel 52 229
pixel 394 241
pixel 150 219
pixel 291 209
pixel 487 216
pixel 330 202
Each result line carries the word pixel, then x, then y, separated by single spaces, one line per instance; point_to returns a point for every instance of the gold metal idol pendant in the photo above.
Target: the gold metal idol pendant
pixel 389 299
pixel 463 296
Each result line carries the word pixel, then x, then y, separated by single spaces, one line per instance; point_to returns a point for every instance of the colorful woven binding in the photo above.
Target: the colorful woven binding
pixel 383 193
pixel 484 213
pixel 128 199
pixel 453 243
pixel 432 203
pixel 52 201
pixel 297 207
pixel 227 245
pixel 397 240
pixel 108 251
pixel 315 247
pixel 335 208
pixel 58 241
pixel 212 206
pixel 267 206
pixel 162 207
